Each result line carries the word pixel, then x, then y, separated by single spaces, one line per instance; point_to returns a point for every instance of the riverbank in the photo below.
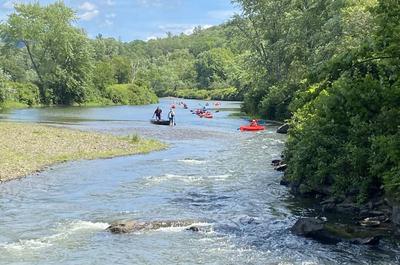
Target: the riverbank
pixel 28 148
pixel 345 217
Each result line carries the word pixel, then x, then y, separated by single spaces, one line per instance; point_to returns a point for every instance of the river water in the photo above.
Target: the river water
pixel 211 173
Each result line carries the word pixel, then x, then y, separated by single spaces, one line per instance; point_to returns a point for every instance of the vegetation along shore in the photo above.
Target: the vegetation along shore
pixel 27 148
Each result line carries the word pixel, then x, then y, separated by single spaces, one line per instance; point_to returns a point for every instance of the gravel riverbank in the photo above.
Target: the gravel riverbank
pixel 28 148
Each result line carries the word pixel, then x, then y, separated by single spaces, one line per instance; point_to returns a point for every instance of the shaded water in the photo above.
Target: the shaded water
pixel 211 173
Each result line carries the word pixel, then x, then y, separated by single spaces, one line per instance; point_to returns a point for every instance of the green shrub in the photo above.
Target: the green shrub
pixel 24 93
pixel 130 94
pixel 229 93
pixel 334 138
pixel 27 93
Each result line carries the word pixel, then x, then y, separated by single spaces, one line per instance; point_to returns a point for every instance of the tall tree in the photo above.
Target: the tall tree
pixel 59 53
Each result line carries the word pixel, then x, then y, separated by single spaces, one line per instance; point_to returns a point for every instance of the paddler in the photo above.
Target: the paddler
pixel 157 113
pixel 253 123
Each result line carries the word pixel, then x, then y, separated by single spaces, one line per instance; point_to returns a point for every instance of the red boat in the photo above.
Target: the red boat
pixel 207 115
pixel 252 128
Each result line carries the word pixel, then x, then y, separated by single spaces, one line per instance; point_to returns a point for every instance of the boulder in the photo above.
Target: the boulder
pixel 351 208
pixel 123 227
pixel 330 234
pixel 281 167
pixel 307 226
pixel 370 222
pixel 276 162
pixel 315 229
pixel 328 207
pixel 193 229
pixel 283 129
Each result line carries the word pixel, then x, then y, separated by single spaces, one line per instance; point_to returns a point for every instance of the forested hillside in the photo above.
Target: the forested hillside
pixel 45 59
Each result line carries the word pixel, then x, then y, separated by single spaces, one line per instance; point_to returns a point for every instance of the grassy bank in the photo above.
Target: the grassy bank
pixel 28 148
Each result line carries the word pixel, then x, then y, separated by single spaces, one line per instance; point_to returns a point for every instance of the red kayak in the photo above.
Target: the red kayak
pixel 252 128
pixel 207 115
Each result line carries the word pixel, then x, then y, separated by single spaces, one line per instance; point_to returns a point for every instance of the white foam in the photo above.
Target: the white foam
pixel 172 177
pixel 192 161
pixel 185 179
pixel 220 177
pixel 85 225
pixel 33 244
pixel 65 231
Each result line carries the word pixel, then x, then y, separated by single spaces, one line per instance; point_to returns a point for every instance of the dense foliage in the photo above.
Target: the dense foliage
pixel 333 68
pixel 39 45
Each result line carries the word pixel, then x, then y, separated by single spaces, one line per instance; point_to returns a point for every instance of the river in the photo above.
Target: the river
pixel 211 173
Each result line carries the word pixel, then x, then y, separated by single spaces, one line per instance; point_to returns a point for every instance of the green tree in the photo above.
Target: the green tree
pixel 212 66
pixel 345 132
pixel 59 53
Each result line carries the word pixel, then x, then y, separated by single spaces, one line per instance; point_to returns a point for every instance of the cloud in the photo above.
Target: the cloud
pixel 90 9
pixel 151 38
pixel 157 3
pixel 89 15
pixel 8 5
pixel 221 14
pixel 110 2
pixel 182 28
pixel 109 22
pixel 149 3
pixel 111 15
pixel 87 6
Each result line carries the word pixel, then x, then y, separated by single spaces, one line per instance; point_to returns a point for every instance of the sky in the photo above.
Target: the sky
pixel 141 19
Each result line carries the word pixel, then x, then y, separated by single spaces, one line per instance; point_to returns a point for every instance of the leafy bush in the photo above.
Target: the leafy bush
pixel 228 93
pixel 344 138
pixel 191 93
pixel 24 93
pixel 130 94
pixel 27 93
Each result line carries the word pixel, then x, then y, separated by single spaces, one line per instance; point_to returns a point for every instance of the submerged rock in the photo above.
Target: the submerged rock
pixel 315 229
pixel 276 162
pixel 330 234
pixel 307 226
pixel 123 227
pixel 283 129
pixel 371 222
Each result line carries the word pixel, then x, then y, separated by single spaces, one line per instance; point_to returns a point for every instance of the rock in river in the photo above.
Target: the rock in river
pixel 329 234
pixel 283 129
pixel 123 227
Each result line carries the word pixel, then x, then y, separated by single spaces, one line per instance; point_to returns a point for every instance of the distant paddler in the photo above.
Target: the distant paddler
pixel 171 117
pixel 157 113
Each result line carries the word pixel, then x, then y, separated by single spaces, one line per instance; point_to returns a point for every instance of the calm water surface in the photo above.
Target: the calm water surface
pixel 212 173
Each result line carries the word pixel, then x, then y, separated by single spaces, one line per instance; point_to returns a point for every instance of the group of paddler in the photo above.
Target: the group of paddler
pixel 202 113
pixel 159 121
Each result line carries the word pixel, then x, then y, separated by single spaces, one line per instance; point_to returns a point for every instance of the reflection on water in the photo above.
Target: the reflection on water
pixel 212 173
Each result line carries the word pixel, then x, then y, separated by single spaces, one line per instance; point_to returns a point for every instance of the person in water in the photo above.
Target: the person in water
pixel 157 113
pixel 253 123
pixel 171 117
